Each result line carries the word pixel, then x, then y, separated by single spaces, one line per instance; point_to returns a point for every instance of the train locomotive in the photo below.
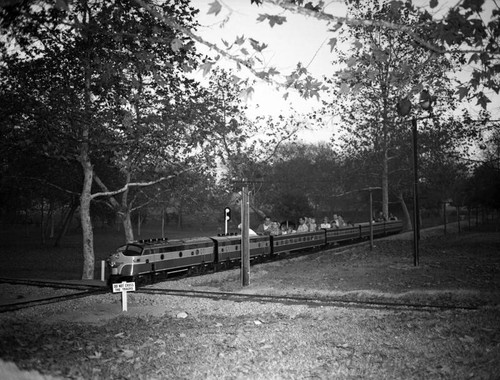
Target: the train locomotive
pixel 145 260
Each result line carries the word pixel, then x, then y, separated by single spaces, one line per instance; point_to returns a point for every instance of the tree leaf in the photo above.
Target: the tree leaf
pixel 215 8
pixel 176 45
pixel 206 67
pixel 332 43
pixel 62 5
pixel 344 88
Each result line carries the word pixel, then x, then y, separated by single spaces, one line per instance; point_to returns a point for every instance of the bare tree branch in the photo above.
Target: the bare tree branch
pixel 133 184
pixel 47 183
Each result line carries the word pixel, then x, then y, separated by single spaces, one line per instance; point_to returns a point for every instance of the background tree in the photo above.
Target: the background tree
pixel 87 66
pixel 382 67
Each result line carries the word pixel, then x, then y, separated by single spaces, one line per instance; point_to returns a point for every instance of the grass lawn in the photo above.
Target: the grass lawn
pixel 220 339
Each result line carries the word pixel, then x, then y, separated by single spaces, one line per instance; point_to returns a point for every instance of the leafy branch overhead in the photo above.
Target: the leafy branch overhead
pixel 462 33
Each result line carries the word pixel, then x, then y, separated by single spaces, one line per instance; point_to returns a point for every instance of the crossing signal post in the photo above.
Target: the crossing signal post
pixel 227 218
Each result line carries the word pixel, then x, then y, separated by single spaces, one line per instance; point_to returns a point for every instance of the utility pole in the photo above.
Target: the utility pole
pixel 245 236
pixel 416 210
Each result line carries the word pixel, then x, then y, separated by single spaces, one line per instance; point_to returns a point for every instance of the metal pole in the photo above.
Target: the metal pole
pixel 245 238
pixel 444 216
pixel 416 213
pixel 371 221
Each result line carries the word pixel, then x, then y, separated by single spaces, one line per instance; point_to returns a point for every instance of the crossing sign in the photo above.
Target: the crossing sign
pixel 124 287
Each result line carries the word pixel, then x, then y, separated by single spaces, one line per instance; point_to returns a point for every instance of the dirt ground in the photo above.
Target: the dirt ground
pixel 197 338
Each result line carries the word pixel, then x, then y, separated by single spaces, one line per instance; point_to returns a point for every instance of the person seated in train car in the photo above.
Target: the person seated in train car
pixel 312 225
pixel 341 221
pixel 335 221
pixel 250 231
pixel 275 229
pixel 302 225
pixel 287 227
pixel 326 223
pixel 265 227
pixel 381 217
pixel 392 217
pixel 283 229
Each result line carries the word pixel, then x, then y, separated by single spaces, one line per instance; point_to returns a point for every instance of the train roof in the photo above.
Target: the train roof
pixel 166 242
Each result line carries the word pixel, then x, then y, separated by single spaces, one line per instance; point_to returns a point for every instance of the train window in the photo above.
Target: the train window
pixel 132 250
pixel 197 251
pixel 192 253
pixel 180 254
pixel 236 248
pixel 162 256
pixel 222 250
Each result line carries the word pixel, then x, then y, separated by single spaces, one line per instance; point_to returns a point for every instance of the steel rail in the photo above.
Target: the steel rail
pixel 14 306
pixel 49 283
pixel 307 301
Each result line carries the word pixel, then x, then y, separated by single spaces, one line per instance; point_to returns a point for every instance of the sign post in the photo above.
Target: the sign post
pixel 124 287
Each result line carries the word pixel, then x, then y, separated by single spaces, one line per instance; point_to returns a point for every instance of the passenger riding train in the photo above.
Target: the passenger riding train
pixel 142 261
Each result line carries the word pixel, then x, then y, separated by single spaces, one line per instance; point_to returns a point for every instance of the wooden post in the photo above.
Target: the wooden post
pixel 245 237
pixel 103 270
pixel 123 288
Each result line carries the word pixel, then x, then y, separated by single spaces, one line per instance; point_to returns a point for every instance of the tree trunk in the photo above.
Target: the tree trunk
pixel 88 170
pixel 67 221
pixel 407 218
pixel 139 221
pixel 42 220
pixel 87 231
pixel 127 225
pixel 125 215
pixel 385 185
pixel 179 214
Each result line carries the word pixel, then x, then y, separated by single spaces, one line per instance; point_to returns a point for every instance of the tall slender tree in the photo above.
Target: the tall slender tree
pixel 99 79
pixel 382 68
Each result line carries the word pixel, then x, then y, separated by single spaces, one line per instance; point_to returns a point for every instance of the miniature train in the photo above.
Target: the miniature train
pixel 144 260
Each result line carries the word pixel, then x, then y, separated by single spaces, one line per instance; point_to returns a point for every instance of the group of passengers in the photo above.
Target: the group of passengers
pixel 306 224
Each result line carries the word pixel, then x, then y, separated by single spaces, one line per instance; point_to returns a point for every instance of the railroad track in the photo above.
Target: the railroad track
pixel 307 301
pixel 77 291
pixel 84 290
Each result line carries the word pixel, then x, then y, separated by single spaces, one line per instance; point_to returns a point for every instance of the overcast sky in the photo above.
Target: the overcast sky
pixel 299 39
